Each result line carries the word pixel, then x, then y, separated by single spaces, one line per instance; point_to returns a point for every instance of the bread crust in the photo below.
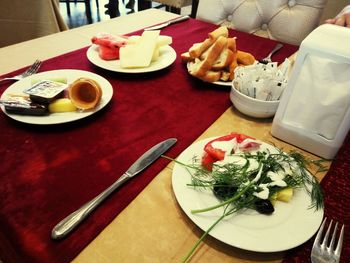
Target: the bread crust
pixel 220 31
pixel 185 57
pixel 216 58
pixel 197 49
pixel 244 58
pixel 224 60
pixel 202 66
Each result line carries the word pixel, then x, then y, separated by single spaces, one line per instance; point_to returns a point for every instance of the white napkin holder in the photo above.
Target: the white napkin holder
pixel 314 111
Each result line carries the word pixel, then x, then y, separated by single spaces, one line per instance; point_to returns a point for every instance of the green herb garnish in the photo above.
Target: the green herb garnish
pixel 237 185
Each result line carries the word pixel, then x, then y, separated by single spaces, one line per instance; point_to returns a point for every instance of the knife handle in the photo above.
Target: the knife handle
pixel 179 19
pixel 65 226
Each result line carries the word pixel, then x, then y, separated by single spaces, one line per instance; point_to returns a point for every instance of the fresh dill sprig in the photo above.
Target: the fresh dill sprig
pixel 239 183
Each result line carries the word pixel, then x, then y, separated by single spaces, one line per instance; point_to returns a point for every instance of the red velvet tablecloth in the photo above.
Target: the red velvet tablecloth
pixel 336 187
pixel 46 172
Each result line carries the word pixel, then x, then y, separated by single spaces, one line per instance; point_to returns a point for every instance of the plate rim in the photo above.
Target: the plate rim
pixel 218 83
pixel 91 55
pixel 315 218
pixel 28 119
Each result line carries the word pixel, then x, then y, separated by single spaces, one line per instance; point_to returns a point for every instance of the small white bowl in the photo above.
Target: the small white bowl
pixel 253 107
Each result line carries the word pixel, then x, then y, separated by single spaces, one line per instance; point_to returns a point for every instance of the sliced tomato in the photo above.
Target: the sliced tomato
pixel 213 154
pixel 207 161
pixel 218 153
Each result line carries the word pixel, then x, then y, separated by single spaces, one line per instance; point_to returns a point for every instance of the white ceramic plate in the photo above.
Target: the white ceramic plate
pixel 290 225
pixel 56 118
pixel 220 83
pixel 223 83
pixel 166 58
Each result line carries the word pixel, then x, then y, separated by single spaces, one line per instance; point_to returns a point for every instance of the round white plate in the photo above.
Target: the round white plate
pixel 223 83
pixel 56 118
pixel 219 82
pixel 290 225
pixel 166 57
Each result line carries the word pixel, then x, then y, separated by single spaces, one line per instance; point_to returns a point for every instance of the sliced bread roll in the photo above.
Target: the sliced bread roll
pixel 200 67
pixel 224 60
pixel 211 76
pixel 199 48
pixel 185 57
pixel 231 44
pixel 220 31
pixel 245 58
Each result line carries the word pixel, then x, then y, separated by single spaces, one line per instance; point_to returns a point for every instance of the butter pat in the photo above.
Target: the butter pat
pixel 139 55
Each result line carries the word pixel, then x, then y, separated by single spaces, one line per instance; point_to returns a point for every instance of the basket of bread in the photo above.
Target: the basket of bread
pixel 216 58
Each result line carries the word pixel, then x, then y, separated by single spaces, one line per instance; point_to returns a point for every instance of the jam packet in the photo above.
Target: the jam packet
pixel 24 106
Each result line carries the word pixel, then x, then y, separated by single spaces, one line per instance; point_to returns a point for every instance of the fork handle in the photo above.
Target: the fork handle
pixel 277 47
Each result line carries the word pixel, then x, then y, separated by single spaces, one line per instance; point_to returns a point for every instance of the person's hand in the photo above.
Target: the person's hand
pixel 342 20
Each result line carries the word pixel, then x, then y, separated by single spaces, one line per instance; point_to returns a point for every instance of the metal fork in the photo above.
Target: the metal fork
pixel 324 252
pixel 268 58
pixel 30 71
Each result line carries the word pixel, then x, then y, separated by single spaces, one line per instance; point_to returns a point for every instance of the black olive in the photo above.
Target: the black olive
pixel 224 191
pixel 264 206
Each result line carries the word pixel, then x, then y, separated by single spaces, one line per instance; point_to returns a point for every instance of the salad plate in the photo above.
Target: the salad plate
pixel 290 225
pixel 57 118
pixel 167 57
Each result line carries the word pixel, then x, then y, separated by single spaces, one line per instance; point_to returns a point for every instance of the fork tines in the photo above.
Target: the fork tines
pixel 33 68
pixel 325 248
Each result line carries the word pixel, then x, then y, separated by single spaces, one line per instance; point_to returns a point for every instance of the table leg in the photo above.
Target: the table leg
pixel 194 8
pixel 88 11
pixel 113 8
pixel 144 4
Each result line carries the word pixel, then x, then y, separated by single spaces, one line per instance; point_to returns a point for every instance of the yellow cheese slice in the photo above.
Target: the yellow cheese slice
pixel 139 55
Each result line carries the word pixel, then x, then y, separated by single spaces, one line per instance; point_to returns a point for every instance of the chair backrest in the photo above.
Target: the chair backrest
pixel 288 21
pixel 175 3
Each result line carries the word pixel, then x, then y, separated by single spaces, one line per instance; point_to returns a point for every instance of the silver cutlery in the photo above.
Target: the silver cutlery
pixel 70 222
pixel 160 26
pixel 30 71
pixel 324 251
pixel 268 58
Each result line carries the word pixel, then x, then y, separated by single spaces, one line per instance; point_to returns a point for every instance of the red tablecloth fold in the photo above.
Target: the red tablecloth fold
pixel 336 187
pixel 47 172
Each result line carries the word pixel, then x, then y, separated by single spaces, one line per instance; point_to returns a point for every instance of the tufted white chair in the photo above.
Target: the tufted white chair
pixel 288 21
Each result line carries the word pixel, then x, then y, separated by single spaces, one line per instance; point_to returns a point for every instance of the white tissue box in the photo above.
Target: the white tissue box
pixel 314 111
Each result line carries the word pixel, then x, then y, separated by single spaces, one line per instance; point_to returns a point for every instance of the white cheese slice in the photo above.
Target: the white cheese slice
pixel 161 40
pixel 139 55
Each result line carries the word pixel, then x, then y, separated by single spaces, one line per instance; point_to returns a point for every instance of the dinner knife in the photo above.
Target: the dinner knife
pixel 65 226
pixel 168 23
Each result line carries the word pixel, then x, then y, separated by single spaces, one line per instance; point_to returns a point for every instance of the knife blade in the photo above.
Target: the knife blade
pixel 69 223
pixel 168 23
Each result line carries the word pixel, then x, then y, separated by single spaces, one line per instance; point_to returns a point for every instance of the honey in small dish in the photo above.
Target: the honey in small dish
pixel 85 93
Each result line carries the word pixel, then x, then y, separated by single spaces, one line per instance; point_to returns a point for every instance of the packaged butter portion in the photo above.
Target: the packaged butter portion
pixel 45 91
